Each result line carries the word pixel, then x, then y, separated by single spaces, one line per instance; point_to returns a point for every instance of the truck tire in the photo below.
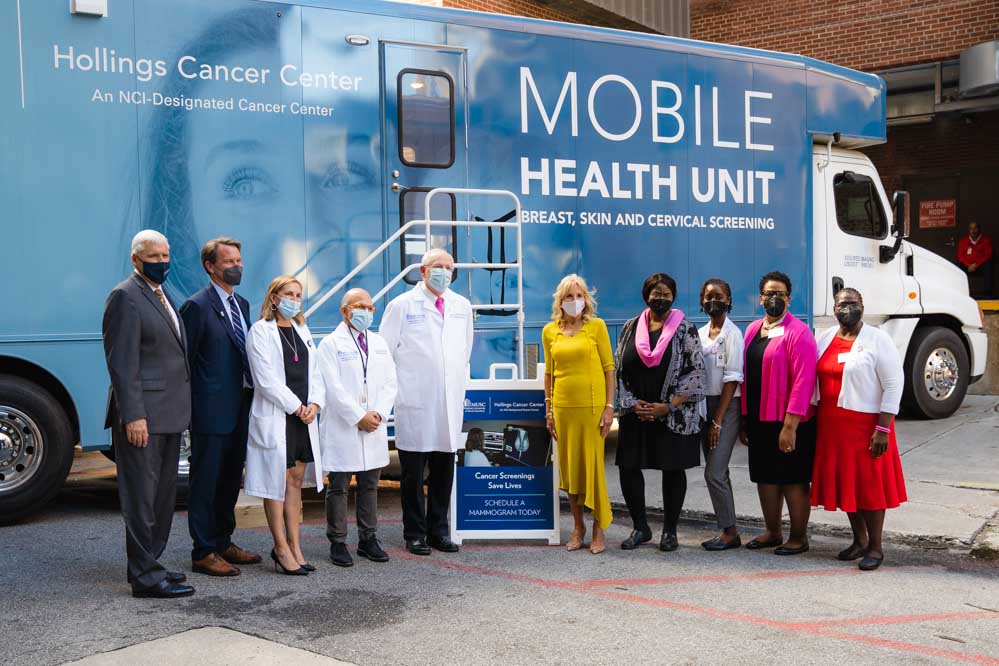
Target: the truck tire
pixel 36 447
pixel 937 373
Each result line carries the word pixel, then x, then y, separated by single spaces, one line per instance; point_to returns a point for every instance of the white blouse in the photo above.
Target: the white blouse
pixel 723 357
pixel 872 371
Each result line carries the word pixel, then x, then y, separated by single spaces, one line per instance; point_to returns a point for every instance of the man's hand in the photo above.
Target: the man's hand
pixel 137 433
pixel 370 422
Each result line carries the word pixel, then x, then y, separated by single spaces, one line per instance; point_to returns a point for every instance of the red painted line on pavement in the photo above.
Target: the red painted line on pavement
pixel 583 587
pixel 897 619
pixel 764 575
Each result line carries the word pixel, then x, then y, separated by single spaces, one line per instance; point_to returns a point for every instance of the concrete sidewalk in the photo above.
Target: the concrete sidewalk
pixel 951 471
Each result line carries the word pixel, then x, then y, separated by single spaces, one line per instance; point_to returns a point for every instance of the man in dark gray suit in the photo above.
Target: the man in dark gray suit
pixel 149 407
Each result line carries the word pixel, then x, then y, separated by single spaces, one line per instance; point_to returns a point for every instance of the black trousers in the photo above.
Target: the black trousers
pixel 147 490
pixel 424 516
pixel 216 474
pixel 674 492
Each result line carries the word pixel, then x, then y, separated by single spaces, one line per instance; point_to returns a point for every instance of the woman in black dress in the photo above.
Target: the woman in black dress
pixel 660 376
pixel 777 415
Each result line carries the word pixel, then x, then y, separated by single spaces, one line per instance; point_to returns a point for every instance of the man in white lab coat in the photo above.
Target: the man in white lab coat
pixel 359 375
pixel 429 333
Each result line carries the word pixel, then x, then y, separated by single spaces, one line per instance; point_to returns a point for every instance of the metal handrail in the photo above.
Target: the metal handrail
pixel 427 222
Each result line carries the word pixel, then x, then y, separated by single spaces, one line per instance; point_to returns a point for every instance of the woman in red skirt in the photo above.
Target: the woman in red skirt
pixel 857 464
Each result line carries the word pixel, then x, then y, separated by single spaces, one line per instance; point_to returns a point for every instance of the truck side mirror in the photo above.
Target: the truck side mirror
pixel 900 212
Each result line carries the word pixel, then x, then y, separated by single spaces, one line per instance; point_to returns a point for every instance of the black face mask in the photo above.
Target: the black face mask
pixel 715 308
pixel 156 271
pixel 660 306
pixel 774 306
pixel 232 275
pixel 849 315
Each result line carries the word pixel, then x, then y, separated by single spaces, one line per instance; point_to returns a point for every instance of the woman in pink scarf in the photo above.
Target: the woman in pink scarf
pixel 777 415
pixel 661 380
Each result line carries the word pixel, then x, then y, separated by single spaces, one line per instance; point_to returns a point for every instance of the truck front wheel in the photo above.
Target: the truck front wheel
pixel 36 447
pixel 936 373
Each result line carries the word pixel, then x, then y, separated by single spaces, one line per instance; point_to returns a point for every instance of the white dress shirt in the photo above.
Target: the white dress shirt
pixel 228 312
pixel 723 357
pixel 158 287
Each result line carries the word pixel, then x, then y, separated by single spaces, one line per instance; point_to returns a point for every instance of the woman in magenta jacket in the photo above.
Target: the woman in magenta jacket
pixel 777 422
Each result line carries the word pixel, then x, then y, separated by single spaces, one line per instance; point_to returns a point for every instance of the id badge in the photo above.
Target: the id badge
pixel 969 251
pixel 846 357
pixel 363 399
pixel 776 332
pixel 720 354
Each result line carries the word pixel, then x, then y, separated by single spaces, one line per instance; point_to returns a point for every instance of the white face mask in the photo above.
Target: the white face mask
pixel 574 308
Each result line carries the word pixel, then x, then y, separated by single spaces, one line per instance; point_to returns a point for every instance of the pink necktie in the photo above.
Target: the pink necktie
pixel 440 305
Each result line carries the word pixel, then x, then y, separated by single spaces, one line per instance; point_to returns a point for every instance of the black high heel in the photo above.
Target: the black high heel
pixel 279 568
pixel 308 567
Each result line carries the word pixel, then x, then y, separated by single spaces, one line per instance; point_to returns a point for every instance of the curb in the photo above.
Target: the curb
pixel 986 544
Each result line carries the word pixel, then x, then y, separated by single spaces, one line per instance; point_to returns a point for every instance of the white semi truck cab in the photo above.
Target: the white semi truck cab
pixel 917 297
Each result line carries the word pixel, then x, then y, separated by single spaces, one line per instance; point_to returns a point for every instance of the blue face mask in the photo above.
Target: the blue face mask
pixel 289 308
pixel 440 279
pixel 361 319
pixel 156 271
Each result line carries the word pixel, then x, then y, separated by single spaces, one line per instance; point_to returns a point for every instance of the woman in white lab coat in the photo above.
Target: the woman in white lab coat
pixel 359 380
pixel 283 433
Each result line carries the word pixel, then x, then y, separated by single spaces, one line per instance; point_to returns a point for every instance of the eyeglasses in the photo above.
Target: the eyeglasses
pixel 778 294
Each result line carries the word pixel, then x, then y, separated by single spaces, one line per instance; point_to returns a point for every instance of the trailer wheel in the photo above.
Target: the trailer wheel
pixel 937 373
pixel 36 447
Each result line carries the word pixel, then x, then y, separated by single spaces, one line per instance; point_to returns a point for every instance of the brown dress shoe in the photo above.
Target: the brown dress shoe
pixel 236 555
pixel 213 565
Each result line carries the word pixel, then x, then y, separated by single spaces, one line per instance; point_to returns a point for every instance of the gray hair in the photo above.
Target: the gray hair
pixel 147 236
pixel 434 254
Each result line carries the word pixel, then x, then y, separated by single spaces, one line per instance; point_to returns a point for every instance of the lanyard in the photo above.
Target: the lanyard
pixel 363 356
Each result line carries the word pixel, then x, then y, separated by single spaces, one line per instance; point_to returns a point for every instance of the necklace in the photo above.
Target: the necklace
pixel 293 345
pixel 767 327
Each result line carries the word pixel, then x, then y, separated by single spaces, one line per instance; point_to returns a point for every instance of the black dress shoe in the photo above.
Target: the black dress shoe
pixel 668 542
pixel 637 538
pixel 340 556
pixel 718 543
pixel 851 553
pixel 784 550
pixel 163 590
pixel 417 547
pixel 756 544
pixel 443 544
pixel 870 563
pixel 371 549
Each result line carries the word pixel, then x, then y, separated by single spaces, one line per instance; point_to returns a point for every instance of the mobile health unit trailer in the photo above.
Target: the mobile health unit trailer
pixel 314 131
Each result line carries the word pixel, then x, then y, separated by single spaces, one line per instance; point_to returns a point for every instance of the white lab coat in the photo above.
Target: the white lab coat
pixel 266 456
pixel 431 359
pixel 345 447
pixel 872 372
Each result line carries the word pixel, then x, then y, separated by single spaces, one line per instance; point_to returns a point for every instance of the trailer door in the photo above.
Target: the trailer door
pixel 425 144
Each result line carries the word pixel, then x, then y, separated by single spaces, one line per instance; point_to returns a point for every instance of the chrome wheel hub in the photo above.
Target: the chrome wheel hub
pixel 941 374
pixel 21 447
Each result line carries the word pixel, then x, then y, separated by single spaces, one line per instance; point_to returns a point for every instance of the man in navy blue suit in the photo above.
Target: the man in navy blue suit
pixel 217 320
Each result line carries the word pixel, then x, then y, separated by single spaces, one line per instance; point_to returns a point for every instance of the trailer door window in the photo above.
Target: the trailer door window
pixel 858 207
pixel 426 119
pixel 414 241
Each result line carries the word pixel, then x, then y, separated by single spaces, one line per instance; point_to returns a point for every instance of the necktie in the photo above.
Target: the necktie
pixel 440 305
pixel 237 330
pixel 363 343
pixel 166 306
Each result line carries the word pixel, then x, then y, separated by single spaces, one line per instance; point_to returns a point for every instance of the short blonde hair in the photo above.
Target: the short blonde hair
pixel 567 283
pixel 276 285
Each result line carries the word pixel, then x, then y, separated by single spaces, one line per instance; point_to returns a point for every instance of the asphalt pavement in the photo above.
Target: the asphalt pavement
pixel 65 598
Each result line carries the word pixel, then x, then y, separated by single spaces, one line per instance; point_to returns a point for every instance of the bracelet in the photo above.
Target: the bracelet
pixel 548 399
pixel 881 428
pixel 609 405
pixel 716 424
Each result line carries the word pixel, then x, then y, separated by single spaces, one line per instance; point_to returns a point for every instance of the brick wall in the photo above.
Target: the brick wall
pixel 948 146
pixel 528 8
pixel 862 34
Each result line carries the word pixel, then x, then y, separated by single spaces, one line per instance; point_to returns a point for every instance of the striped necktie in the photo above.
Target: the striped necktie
pixel 237 330
pixel 166 306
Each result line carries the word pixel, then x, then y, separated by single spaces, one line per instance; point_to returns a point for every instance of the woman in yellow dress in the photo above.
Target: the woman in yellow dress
pixel 579 404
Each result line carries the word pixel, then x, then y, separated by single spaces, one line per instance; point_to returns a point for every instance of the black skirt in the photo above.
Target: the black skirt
pixel 298 444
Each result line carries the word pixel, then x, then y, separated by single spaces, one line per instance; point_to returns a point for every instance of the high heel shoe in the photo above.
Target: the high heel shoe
pixel 308 567
pixel 279 568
